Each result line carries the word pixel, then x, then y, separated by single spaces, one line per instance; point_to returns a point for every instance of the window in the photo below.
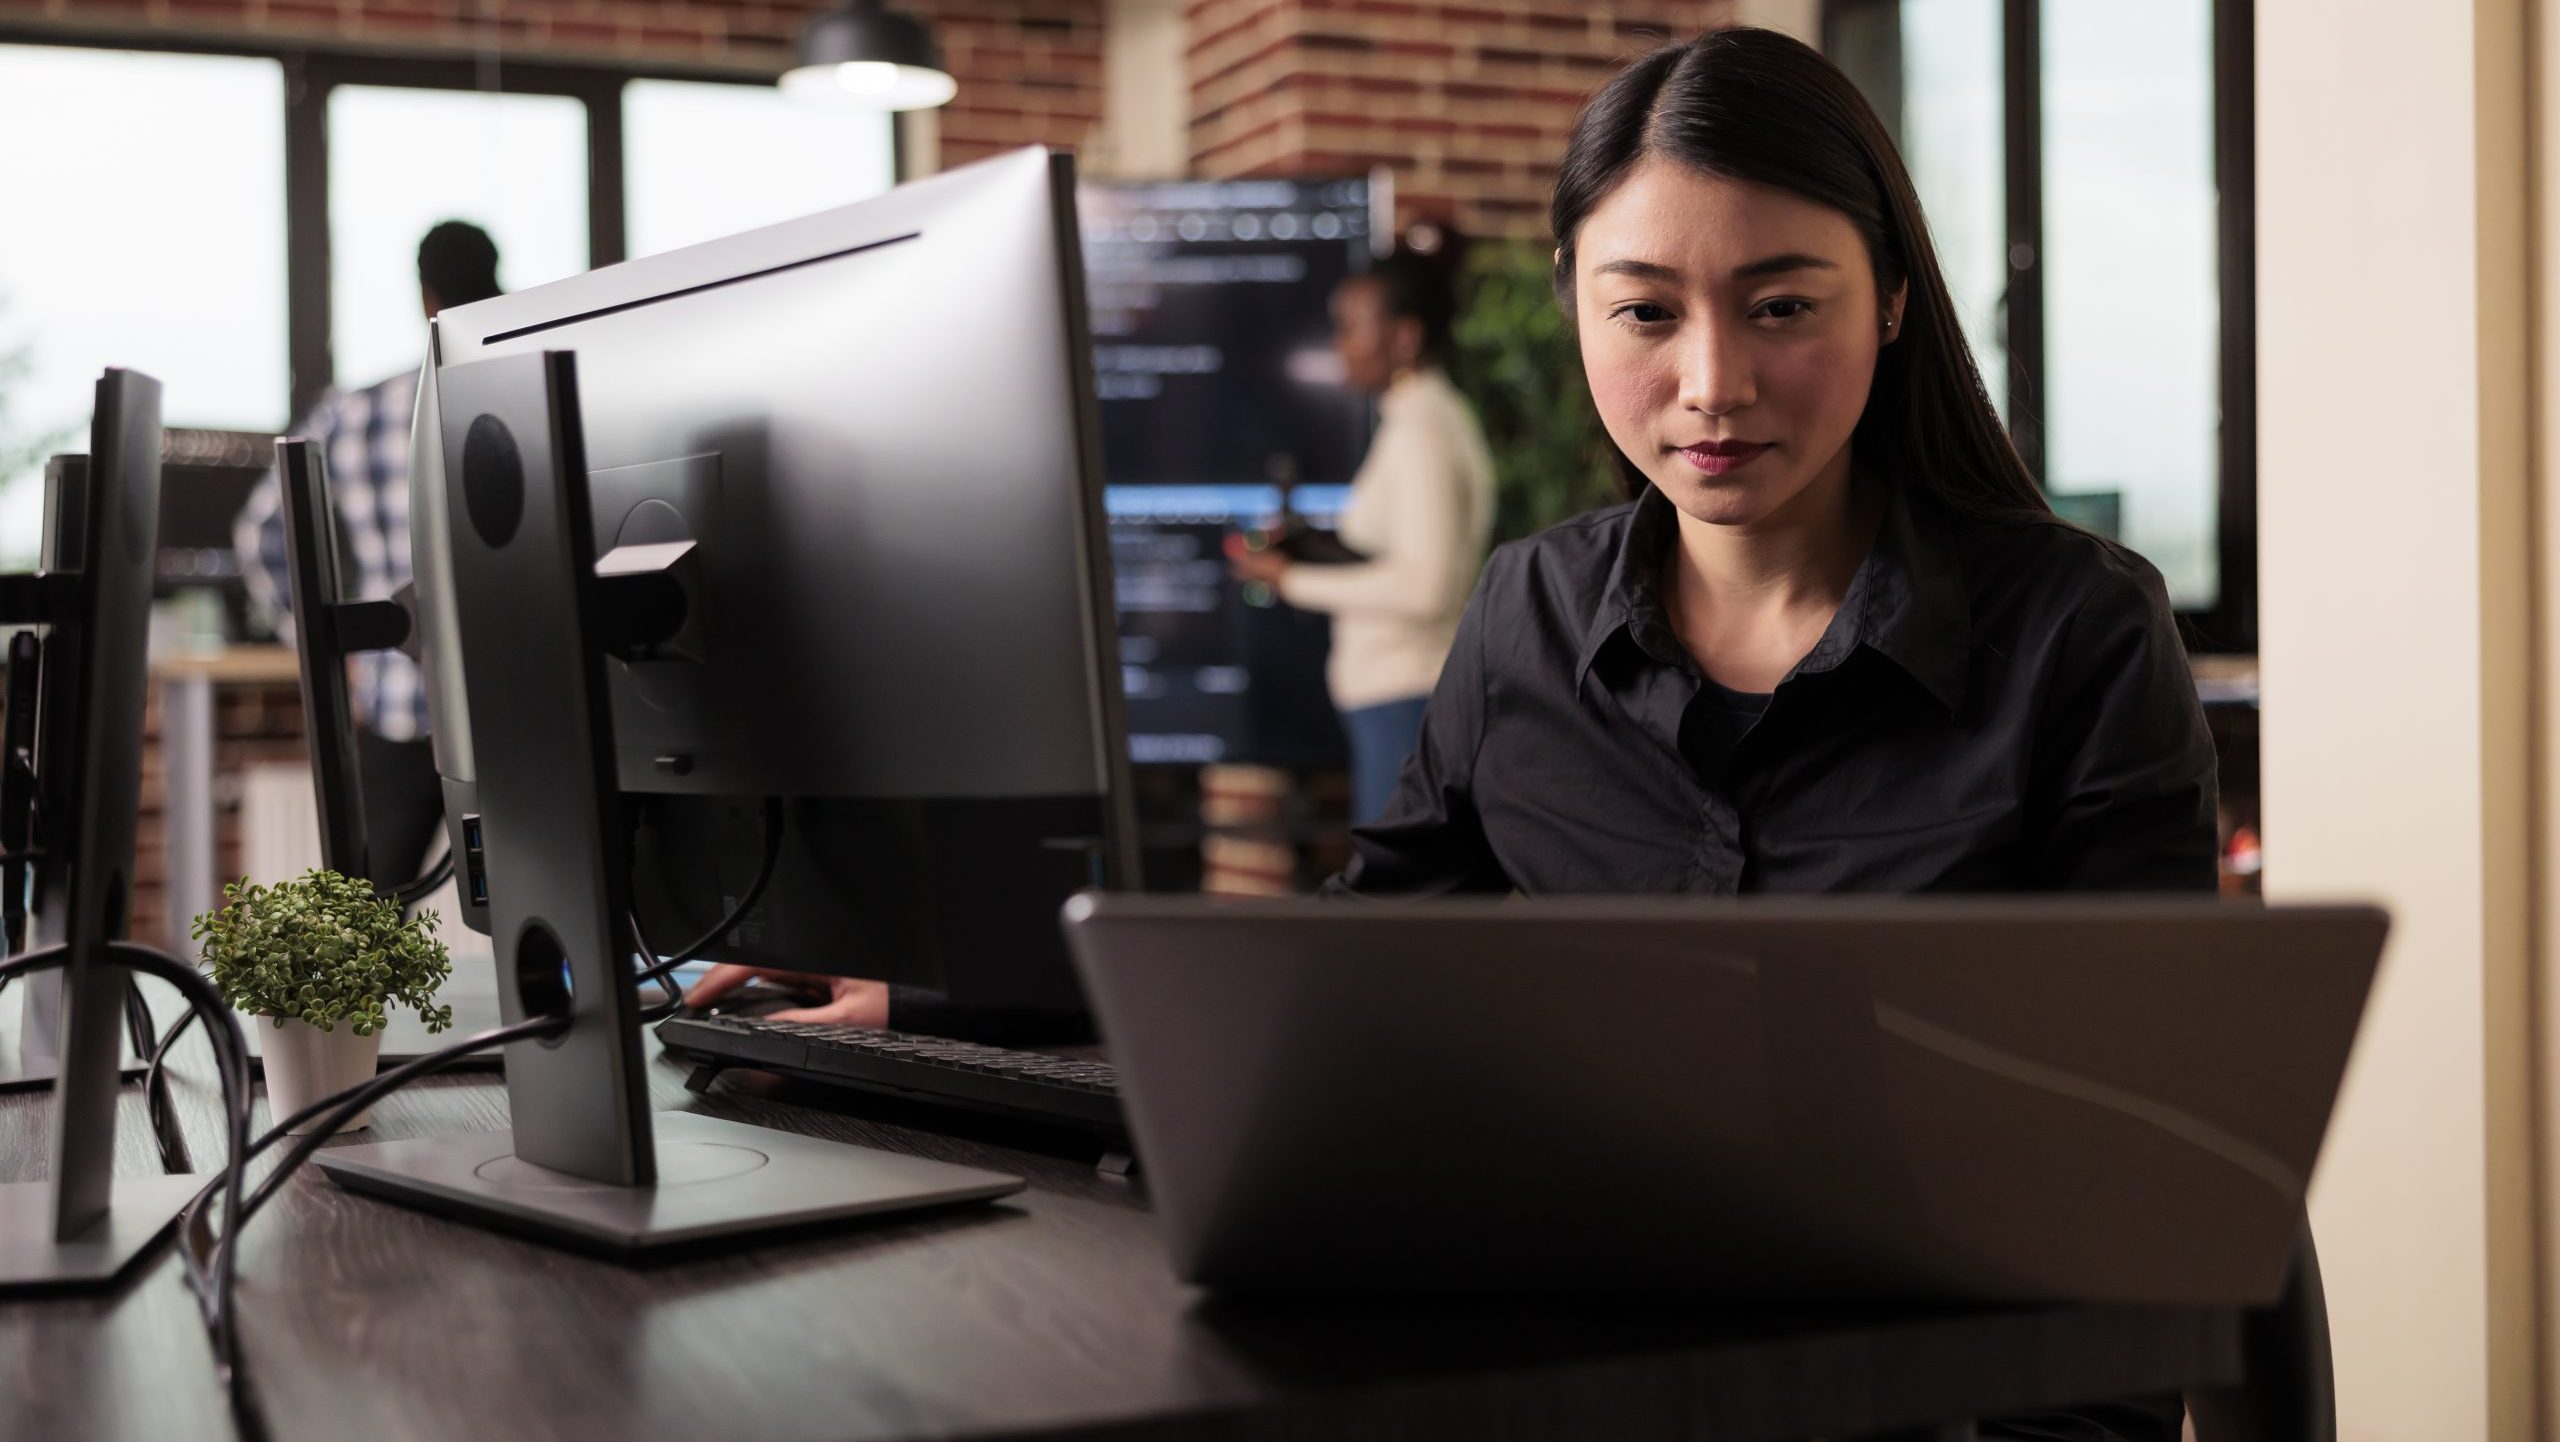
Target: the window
pixel 400 160
pixel 147 231
pixel 1950 122
pixel 2086 171
pixel 2131 313
pixel 244 225
pixel 705 160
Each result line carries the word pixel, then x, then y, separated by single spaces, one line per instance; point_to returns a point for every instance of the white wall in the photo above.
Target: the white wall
pixel 2396 658
pixel 1146 99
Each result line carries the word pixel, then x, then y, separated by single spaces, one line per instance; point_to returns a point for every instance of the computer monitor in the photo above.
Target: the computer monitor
pixel 328 712
pixel 328 630
pixel 861 445
pixel 82 1228
pixel 583 1162
pixel 875 425
pixel 1223 408
pixel 44 719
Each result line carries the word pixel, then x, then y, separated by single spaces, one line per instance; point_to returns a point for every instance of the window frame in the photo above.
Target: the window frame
pixel 1871 29
pixel 312 70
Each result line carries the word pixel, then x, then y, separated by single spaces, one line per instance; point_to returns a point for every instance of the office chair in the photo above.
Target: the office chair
pixel 2290 1394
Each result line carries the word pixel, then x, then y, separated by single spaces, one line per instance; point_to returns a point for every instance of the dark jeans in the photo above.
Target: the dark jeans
pixel 1381 736
pixel 403 805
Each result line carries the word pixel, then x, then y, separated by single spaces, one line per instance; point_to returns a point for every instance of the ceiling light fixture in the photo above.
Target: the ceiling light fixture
pixel 861 55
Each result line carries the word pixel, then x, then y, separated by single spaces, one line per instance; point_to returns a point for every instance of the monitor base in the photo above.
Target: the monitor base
pixel 28 1068
pixel 138 1216
pixel 718 1182
pixel 17 1075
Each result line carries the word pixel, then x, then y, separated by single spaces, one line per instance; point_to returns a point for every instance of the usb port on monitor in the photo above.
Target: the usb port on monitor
pixel 475 869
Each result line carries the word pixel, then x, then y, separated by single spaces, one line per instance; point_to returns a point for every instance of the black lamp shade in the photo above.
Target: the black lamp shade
pixel 864 55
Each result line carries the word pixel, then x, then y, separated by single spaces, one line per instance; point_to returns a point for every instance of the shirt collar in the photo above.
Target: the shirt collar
pixel 1907 601
pixel 1632 590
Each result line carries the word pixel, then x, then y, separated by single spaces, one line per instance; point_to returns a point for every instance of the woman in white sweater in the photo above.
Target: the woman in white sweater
pixel 1420 513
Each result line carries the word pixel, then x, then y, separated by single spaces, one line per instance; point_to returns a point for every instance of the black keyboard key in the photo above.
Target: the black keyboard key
pixel 747 1042
pixel 1061 1090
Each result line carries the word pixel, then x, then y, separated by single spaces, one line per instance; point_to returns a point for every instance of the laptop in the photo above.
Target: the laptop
pixel 1996 1100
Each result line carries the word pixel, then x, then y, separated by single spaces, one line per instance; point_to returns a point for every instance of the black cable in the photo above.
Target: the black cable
pixel 137 1019
pixel 165 1131
pixel 350 1104
pixel 418 890
pixel 21 764
pixel 342 1107
pixel 155 1081
pixel 215 1293
pixel 214 1280
pixel 660 967
pixel 675 998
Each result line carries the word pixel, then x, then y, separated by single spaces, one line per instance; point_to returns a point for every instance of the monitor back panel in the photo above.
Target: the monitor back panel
pixel 557 848
pixel 877 423
pixel 108 684
pixel 2022 1100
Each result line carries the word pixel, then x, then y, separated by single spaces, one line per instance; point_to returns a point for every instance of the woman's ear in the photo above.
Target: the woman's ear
pixel 1893 312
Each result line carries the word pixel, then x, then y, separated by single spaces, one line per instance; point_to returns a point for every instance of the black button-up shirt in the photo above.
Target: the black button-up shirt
pixel 1995 707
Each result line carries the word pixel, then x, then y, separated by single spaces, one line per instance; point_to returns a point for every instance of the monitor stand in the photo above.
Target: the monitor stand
pixel 81 1228
pixel 30 1035
pixel 31 1010
pixel 585 1164
pixel 36 1257
pixel 717 1181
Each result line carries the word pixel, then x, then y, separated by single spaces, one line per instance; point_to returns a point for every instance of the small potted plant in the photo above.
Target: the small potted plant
pixel 324 959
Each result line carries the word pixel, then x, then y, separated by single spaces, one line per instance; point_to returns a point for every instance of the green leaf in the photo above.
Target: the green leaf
pixel 1514 354
pixel 325 949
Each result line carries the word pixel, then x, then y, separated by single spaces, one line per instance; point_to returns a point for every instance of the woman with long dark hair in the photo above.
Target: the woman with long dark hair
pixel 1836 641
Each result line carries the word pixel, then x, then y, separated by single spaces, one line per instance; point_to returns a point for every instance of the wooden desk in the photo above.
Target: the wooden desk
pixel 1051 1315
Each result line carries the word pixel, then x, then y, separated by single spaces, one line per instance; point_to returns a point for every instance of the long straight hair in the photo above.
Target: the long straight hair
pixel 1757 106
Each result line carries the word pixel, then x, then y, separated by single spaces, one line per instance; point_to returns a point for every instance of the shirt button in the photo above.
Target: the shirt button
pixel 1719 867
pixel 1723 821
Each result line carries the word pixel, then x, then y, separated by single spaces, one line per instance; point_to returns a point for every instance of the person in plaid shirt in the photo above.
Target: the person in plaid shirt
pixel 364 435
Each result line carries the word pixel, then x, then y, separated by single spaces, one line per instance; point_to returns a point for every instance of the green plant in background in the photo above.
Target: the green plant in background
pixel 323 948
pixel 1514 356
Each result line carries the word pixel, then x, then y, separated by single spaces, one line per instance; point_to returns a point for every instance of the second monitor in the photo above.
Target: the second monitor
pixel 1224 408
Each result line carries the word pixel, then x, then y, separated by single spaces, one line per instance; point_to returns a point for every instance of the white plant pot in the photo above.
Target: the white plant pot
pixel 305 1064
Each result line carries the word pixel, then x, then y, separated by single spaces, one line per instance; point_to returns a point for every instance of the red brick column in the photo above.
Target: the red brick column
pixel 1468 103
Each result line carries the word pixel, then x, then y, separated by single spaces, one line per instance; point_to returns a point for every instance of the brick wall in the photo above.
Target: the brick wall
pixel 1467 101
pixel 1030 71
pixel 254 724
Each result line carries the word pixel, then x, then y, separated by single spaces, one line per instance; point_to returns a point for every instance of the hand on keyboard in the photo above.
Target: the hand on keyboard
pixel 845 1000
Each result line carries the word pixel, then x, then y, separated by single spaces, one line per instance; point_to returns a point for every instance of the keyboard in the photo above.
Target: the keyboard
pixel 1062 1091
